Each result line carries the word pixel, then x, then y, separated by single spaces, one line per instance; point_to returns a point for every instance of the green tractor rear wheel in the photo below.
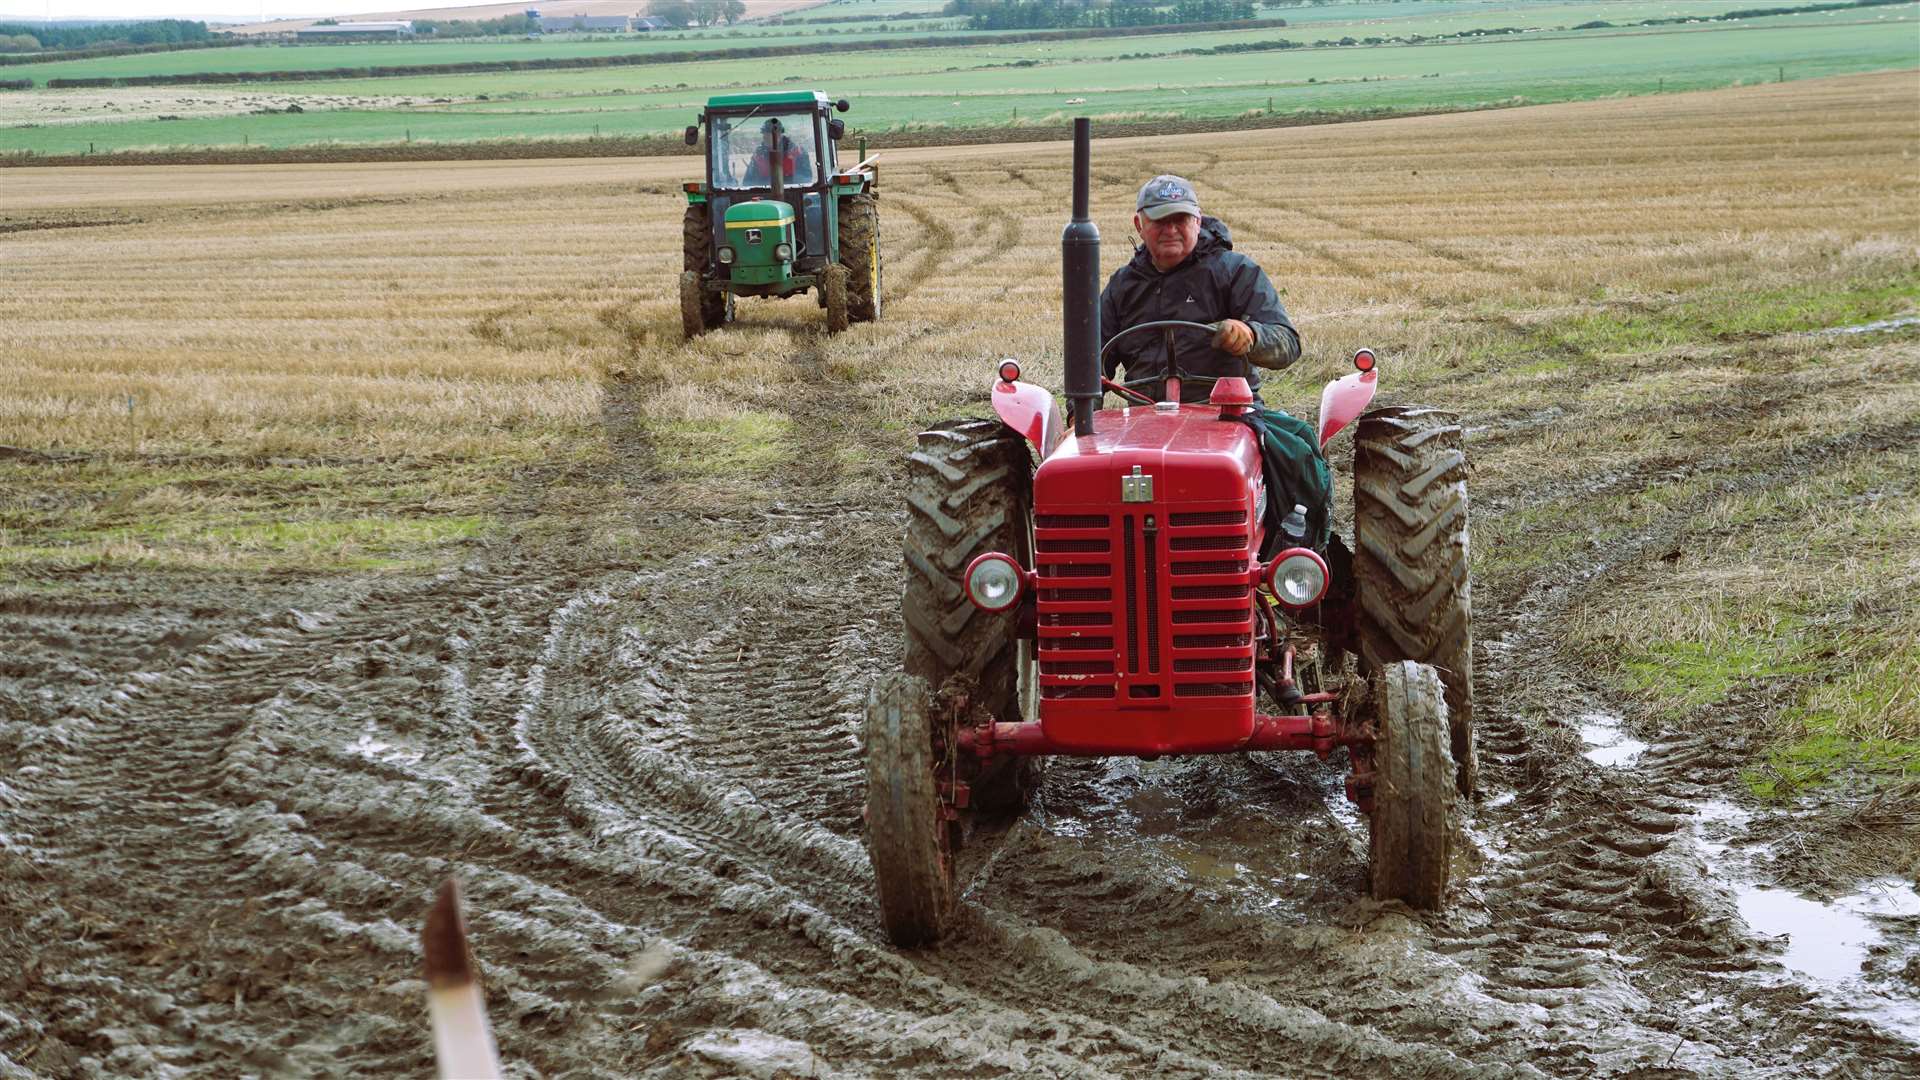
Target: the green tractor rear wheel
pixel 700 309
pixel 860 254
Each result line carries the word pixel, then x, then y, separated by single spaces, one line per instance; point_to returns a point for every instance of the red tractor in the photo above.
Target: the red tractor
pixel 1112 600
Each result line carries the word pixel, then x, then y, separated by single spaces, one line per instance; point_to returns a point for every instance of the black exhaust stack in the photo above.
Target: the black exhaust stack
pixel 1080 270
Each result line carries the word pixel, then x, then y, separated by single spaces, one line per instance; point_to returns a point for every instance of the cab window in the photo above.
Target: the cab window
pixel 744 149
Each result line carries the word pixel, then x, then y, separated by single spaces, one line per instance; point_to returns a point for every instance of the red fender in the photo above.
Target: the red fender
pixel 1342 400
pixel 1027 409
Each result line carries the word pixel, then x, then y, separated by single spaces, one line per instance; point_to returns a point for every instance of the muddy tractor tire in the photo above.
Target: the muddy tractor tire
pixel 700 310
pixel 860 254
pixel 970 491
pixel 1413 787
pixel 909 839
pixel 1410 557
pixel 833 296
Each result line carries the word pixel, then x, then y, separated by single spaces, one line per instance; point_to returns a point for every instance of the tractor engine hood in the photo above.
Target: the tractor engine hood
pixel 758 232
pixel 1182 457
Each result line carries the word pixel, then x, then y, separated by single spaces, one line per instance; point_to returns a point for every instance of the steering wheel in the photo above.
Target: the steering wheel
pixel 1130 388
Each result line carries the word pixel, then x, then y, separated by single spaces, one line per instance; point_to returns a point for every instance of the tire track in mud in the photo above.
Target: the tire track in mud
pixel 1613 868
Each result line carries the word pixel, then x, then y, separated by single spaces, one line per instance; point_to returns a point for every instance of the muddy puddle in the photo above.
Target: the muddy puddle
pixel 1858 950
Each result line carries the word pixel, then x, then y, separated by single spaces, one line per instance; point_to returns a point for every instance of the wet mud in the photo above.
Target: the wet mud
pixel 225 805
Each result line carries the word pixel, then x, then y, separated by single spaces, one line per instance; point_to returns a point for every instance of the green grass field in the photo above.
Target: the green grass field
pixel 1306 24
pixel 1147 78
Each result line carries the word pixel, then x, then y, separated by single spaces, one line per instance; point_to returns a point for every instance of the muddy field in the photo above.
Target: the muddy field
pixel 624 711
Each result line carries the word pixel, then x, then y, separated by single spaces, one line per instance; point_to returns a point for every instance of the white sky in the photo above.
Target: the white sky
pixel 222 10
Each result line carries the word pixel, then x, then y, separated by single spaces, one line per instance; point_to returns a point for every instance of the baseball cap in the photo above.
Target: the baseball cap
pixel 1164 195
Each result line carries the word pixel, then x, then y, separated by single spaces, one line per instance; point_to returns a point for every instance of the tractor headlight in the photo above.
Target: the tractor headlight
pixel 726 256
pixel 993 581
pixel 783 252
pixel 1297 578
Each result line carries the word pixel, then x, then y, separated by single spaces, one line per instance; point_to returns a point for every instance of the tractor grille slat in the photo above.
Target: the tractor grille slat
pixel 1076 667
pixel 1214 615
pixel 1071 596
pixel 1077 691
pixel 1208 543
pixel 1061 547
pixel 1153 598
pixel 1133 600
pixel 1218 566
pixel 1212 641
pixel 1208 517
pixel 1077 618
pixel 1230 663
pixel 1059 570
pixel 1211 592
pixel 1212 689
pixel 1076 644
pixel 1070 521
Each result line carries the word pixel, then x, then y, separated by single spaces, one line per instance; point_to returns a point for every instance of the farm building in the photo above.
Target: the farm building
pixel 555 24
pixel 357 31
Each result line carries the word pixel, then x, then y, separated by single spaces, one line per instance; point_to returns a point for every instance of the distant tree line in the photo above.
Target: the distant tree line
pixel 32 37
pixel 1039 14
pixel 680 13
pixel 505 26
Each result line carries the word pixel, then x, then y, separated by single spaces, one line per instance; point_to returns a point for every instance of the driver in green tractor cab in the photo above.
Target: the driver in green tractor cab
pixel 1186 269
pixel 796 160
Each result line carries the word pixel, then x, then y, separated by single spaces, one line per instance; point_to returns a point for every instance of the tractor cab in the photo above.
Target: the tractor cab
pixel 776 150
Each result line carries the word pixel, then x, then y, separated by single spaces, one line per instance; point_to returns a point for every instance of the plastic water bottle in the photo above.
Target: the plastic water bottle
pixel 1294 525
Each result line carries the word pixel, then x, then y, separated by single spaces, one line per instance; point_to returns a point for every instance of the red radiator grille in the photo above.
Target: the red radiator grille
pixel 1146 606
pixel 1075 553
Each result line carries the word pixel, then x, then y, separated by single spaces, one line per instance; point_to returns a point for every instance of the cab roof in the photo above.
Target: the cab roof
pixel 808 99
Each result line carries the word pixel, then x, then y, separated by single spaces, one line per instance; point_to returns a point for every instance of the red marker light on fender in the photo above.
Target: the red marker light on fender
pixel 994 581
pixel 1009 371
pixel 1363 360
pixel 1297 577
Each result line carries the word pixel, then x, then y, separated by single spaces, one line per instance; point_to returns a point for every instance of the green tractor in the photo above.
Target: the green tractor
pixel 777 215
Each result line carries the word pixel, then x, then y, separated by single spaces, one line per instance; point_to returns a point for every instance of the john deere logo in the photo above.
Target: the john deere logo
pixel 753 236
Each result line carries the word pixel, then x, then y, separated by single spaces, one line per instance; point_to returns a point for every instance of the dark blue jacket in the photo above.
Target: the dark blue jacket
pixel 1215 282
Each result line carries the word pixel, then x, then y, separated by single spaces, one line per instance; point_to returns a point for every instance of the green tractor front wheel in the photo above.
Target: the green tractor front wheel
pixel 833 296
pixel 701 309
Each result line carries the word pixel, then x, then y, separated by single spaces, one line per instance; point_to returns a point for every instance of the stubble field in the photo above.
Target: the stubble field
pixel 361 525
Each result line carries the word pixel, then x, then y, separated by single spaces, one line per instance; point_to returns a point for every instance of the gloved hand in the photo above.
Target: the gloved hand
pixel 1234 337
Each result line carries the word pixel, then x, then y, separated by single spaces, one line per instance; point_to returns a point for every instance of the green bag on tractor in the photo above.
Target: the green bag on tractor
pixel 1297 472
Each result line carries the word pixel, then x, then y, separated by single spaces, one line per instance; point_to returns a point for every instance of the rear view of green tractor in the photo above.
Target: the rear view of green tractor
pixel 777 215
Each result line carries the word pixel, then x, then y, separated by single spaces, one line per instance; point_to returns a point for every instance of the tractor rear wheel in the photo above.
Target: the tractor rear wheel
pixel 970 491
pixel 1413 787
pixel 1410 557
pixel 909 839
pixel 860 253
pixel 833 296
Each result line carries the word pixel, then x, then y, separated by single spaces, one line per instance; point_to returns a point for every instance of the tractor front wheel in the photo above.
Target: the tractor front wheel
pixel 860 252
pixel 833 294
pixel 1410 557
pixel 1413 787
pixel 970 491
pixel 909 838
pixel 701 310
